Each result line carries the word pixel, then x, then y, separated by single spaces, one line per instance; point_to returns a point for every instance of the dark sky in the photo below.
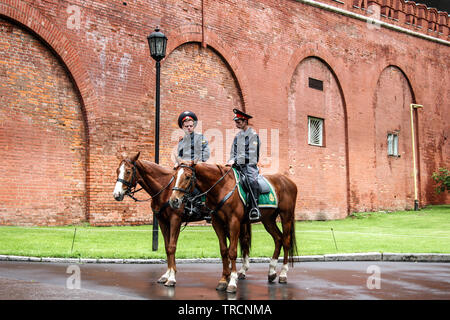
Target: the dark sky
pixel 441 5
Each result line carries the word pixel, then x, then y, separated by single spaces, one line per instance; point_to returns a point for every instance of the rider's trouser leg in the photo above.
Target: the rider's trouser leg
pixel 251 172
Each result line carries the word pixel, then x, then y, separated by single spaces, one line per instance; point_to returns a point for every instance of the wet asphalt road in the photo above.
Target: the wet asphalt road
pixel 306 280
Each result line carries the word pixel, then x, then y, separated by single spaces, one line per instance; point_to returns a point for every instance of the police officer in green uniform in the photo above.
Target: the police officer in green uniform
pixel 244 156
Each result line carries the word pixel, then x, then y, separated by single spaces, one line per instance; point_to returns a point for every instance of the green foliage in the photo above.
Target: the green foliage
pixel 442 178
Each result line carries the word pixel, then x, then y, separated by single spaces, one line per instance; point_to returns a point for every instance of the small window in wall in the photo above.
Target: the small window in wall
pixel 315 131
pixel 315 84
pixel 392 144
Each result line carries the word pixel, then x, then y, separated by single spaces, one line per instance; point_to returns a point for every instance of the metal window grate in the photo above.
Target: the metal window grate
pixel 392 144
pixel 315 131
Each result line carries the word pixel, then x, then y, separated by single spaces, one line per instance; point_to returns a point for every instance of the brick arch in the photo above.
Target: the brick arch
pixel 321 54
pixel 32 20
pixel 200 80
pixel 403 69
pixel 392 96
pixel 313 50
pixel 319 203
pixel 193 33
pixel 42 136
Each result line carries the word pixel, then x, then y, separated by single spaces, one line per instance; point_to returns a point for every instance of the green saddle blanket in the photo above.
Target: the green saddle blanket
pixel 266 200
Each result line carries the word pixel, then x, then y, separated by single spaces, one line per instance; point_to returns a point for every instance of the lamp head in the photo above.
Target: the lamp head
pixel 157 42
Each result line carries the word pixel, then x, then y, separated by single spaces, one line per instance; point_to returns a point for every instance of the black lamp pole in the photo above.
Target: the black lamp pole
pixel 157 42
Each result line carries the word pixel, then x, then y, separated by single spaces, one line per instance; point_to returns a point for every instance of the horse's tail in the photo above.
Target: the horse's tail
pixel 245 239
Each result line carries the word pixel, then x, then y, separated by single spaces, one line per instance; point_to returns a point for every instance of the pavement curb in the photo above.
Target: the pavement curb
pixel 368 256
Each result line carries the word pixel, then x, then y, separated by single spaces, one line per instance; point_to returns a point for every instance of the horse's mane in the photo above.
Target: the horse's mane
pixel 222 168
pixel 152 166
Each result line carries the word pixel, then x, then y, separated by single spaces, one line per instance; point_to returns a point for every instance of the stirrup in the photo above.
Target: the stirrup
pixel 254 214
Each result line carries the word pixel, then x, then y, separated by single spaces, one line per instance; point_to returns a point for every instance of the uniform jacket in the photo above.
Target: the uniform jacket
pixel 193 146
pixel 245 147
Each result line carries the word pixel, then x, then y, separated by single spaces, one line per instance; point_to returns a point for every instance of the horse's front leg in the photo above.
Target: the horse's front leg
pixel 175 224
pixel 232 253
pixel 221 235
pixel 165 230
pixel 244 241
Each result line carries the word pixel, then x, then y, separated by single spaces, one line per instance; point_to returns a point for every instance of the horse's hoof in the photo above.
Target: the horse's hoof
pixel 162 280
pixel 222 286
pixel 282 279
pixel 170 283
pixel 231 289
pixel 241 276
pixel 271 277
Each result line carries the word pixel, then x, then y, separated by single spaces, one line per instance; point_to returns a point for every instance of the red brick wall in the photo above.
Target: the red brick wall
pixel 42 137
pixel 248 54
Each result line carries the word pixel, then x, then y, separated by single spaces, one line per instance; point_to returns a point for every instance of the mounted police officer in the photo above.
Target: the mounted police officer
pixel 244 156
pixel 192 147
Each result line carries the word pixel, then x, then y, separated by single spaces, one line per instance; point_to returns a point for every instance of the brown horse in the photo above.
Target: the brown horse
pixel 157 182
pixel 230 219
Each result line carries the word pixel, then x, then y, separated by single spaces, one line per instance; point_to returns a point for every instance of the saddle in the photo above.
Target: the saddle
pixel 264 186
pixel 267 197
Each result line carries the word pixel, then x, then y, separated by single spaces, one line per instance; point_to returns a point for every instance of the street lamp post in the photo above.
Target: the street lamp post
pixel 157 42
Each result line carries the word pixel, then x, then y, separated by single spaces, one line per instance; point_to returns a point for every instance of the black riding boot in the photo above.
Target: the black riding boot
pixel 254 214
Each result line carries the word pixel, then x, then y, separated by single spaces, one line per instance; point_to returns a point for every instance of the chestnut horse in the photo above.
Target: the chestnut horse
pixel 229 216
pixel 157 182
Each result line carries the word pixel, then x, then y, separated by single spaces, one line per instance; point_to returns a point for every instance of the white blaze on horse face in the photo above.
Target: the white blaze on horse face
pixel 118 189
pixel 180 173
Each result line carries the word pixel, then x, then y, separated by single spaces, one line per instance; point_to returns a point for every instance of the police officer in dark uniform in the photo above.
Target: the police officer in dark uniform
pixel 244 156
pixel 192 147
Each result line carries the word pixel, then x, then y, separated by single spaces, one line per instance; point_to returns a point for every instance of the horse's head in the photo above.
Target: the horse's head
pixel 184 183
pixel 126 177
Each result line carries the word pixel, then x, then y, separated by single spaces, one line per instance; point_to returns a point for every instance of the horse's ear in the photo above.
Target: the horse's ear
pixel 193 163
pixel 134 159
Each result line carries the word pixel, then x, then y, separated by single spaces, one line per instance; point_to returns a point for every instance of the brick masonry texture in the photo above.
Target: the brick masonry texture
pixel 77 94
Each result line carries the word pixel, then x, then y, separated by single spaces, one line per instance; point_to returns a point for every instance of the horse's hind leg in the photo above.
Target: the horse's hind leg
pixel 271 227
pixel 244 267
pixel 289 247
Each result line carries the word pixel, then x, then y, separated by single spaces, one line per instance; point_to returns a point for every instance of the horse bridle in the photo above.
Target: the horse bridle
pixel 192 181
pixel 131 187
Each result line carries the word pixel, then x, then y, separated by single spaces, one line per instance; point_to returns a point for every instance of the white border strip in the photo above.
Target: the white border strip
pixel 368 256
pixel 372 21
